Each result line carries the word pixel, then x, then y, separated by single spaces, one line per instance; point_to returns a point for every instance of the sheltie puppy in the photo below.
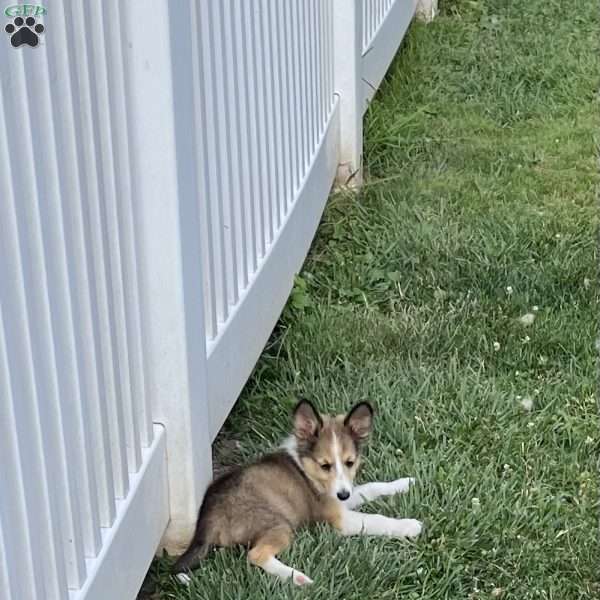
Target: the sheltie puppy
pixel 309 479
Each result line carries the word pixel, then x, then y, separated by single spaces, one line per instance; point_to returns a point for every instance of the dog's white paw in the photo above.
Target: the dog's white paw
pixel 183 578
pixel 401 486
pixel 300 578
pixel 406 528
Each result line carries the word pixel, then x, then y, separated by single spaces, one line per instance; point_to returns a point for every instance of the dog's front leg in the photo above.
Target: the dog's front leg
pixel 376 489
pixel 356 523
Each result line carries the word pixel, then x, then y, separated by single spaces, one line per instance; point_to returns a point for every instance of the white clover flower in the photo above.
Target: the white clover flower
pixel 509 290
pixel 535 308
pixel 526 403
pixel 527 319
pixel 496 346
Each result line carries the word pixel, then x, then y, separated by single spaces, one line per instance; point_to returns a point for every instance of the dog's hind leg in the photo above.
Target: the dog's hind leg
pixel 267 546
pixel 376 489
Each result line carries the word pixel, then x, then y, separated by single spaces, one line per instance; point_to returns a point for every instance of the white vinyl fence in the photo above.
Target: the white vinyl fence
pixel 163 169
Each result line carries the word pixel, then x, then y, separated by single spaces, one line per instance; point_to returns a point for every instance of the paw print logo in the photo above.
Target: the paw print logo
pixel 24 32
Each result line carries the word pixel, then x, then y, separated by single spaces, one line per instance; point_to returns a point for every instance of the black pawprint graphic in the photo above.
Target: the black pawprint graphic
pixel 24 32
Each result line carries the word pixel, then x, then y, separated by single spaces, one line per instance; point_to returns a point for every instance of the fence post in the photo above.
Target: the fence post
pixel 347 16
pixel 168 250
pixel 427 10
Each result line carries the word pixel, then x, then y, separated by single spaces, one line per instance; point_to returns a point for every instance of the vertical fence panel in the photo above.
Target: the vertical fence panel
pixel 17 576
pixel 296 94
pixel 225 99
pixel 303 69
pixel 263 198
pixel 271 113
pixel 254 182
pixel 5 581
pixel 97 464
pixel 266 101
pixel 75 424
pixel 239 169
pixel 39 315
pixel 332 49
pixel 32 486
pixel 311 39
pixel 212 289
pixel 217 177
pixel 277 80
pixel 244 125
pixel 28 524
pixel 258 131
pixel 322 14
pixel 283 46
pixel 279 119
pixel 91 172
pixel 109 246
pixel 137 411
pixel 287 43
pixel 263 96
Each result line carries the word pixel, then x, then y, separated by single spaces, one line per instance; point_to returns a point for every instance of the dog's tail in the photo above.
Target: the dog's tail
pixel 191 558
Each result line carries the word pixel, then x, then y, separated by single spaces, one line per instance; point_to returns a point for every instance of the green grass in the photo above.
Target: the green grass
pixel 481 175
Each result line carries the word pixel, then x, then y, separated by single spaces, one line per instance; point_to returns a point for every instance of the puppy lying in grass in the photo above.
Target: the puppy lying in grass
pixel 310 479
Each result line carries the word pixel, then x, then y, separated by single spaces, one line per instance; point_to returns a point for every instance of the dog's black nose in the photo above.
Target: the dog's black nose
pixel 343 495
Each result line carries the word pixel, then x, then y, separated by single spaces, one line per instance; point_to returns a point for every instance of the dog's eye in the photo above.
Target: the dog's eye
pixel 349 463
pixel 326 467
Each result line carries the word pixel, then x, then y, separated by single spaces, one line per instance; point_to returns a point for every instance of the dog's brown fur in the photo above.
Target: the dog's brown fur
pixel 261 505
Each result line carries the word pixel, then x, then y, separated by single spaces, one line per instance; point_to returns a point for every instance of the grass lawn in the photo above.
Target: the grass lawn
pixel 479 207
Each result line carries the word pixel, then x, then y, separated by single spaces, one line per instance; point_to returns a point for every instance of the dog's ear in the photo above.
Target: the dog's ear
pixel 307 421
pixel 359 421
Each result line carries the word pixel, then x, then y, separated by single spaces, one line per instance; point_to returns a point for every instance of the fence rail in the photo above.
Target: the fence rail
pixel 163 169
